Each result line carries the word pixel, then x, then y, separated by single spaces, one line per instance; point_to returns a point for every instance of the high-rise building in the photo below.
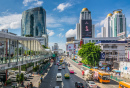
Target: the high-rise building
pixel 114 25
pixel 85 29
pixel 33 22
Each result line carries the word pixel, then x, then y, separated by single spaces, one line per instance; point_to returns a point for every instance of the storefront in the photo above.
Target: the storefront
pixel 124 67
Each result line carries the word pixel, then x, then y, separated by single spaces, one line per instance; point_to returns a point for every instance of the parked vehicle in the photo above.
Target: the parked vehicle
pixel 26 76
pixel 59 77
pixel 12 77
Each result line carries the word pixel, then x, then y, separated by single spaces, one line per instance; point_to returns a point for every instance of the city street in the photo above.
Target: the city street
pixel 50 80
pixel 112 84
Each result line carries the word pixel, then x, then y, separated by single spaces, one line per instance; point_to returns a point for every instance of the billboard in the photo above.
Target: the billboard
pixel 70 47
pixel 70 39
pixel 86 28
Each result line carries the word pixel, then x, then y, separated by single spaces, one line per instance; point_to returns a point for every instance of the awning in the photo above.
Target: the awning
pixel 117 71
pixel 95 67
pixel 102 68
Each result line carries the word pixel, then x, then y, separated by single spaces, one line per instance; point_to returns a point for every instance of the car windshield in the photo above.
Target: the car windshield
pixel 91 82
pixel 58 76
pixel 80 84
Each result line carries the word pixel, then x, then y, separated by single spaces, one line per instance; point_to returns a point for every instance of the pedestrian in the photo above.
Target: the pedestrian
pixel 41 78
pixel 83 73
pixel 31 85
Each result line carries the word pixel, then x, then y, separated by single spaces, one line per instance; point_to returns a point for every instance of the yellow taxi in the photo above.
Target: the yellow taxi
pixel 67 76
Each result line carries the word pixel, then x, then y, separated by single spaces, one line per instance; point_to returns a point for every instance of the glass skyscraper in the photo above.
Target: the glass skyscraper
pixel 33 22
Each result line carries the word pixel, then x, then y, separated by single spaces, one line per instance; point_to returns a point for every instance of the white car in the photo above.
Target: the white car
pixel 91 84
pixel 59 68
pixel 26 76
pixel 12 77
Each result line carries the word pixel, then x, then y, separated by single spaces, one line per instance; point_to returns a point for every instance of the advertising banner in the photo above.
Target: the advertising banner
pixel 102 55
pixel 86 28
pixel 70 47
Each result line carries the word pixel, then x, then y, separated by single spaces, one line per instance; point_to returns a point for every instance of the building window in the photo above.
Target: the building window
pixel 31 24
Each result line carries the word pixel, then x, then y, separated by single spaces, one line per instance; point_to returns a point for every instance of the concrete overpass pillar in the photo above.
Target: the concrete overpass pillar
pixel 17 51
pixel 19 67
pixel 9 53
pixel 34 64
pixel 30 49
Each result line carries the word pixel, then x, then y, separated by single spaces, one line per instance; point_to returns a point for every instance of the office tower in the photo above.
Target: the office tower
pixel 85 29
pixel 33 22
pixel 115 25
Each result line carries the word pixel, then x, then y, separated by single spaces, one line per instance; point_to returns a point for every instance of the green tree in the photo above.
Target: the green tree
pixel 21 78
pixel 90 54
pixel 17 78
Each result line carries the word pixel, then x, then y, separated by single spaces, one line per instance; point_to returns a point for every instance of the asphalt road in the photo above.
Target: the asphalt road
pixel 50 80
pixel 112 84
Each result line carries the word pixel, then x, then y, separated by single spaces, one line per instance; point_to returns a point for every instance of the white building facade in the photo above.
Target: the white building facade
pixel 114 25
pixel 85 29
pixel 114 52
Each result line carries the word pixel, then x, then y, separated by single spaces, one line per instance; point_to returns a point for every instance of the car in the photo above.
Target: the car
pixel 91 84
pixel 79 85
pixel 67 76
pixel 56 87
pixel 59 77
pixel 59 68
pixel 12 77
pixel 71 71
pixel 57 63
pixel 80 63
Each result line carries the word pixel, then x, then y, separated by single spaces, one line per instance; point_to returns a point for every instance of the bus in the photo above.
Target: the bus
pixel 103 77
pixel 123 84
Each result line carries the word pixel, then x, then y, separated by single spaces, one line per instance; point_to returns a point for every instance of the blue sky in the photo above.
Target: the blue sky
pixel 62 15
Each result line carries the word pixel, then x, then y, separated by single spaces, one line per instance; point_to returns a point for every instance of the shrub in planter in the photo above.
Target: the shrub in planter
pixel 8 82
pixel 21 78
pixel 17 78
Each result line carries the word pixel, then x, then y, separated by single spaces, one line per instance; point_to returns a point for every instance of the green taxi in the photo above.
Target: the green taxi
pixel 67 76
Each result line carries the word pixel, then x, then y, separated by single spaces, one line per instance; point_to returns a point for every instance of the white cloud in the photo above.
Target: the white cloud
pixel 97 31
pixel 69 20
pixel 62 6
pixel 71 33
pixel 59 35
pixel 34 4
pixel 101 23
pixel 38 3
pixel 10 21
pixel 57 22
pixel 50 32
pixel 99 35
pixel 61 29
pixel 128 25
pixel 25 2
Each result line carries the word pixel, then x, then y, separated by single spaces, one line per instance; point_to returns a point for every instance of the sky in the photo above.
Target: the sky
pixel 62 15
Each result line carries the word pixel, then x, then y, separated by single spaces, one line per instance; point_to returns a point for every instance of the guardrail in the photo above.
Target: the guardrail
pixel 83 64
pixel 116 78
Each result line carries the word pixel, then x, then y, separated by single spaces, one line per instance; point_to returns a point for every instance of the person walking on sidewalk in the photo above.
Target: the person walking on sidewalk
pixel 83 73
pixel 41 78
pixel 31 85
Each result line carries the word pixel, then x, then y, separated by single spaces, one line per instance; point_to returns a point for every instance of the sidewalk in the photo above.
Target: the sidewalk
pixel 35 79
pixel 115 78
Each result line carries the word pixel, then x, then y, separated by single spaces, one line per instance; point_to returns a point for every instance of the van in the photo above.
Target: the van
pixel 59 77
